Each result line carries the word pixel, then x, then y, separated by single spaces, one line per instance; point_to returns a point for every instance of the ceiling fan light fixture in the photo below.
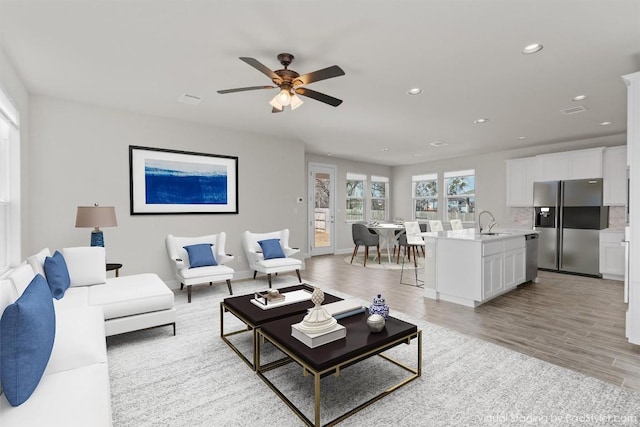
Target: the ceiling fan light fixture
pixel 284 97
pixel 275 103
pixel 296 101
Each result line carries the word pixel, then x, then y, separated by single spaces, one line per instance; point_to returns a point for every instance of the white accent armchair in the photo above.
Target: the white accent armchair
pixel 271 265
pixel 189 275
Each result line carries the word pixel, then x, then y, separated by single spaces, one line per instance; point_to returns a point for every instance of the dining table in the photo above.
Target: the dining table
pixel 389 234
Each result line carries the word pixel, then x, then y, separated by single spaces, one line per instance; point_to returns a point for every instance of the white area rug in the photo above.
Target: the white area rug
pixel 195 379
pixel 384 262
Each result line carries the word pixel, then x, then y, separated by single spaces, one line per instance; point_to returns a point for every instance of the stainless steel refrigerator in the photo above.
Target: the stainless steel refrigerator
pixel 568 216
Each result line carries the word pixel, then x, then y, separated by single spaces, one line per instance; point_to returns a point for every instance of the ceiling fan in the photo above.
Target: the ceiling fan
pixel 291 83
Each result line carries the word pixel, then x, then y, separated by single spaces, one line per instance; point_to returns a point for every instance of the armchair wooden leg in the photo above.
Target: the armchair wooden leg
pixel 379 253
pixel 189 294
pixel 181 286
pixel 269 279
pixel 366 255
pixel 229 286
pixel 355 251
pixel 299 278
pixel 254 274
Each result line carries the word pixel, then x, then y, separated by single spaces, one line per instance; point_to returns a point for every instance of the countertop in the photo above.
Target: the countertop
pixel 472 234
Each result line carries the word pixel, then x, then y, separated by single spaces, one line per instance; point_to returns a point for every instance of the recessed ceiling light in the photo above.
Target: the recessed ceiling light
pixel 417 155
pixel 532 48
pixel 385 149
pixel 522 137
pixel 438 143
pixel 414 91
pixel 329 154
pixel 480 121
pixel 579 97
pixel 605 123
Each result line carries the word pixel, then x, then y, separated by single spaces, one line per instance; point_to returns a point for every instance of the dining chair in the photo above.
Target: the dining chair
pixel 414 241
pixel 402 243
pixel 365 237
pixel 435 225
pixel 456 224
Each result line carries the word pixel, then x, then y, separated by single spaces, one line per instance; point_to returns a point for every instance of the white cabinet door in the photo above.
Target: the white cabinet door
pixel 612 255
pixel 615 176
pixel 514 268
pixel 521 174
pixel 492 275
pixel 585 163
pixel 578 164
pixel 554 166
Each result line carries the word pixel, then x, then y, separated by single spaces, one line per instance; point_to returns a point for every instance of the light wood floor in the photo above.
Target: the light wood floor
pixel 572 321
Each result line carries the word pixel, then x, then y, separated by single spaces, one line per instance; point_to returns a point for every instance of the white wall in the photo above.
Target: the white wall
pixel 79 155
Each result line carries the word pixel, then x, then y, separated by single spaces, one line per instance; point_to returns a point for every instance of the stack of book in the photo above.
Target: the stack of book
pixel 344 308
pixel 316 340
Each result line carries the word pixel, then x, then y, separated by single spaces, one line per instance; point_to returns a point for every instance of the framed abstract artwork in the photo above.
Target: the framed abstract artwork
pixel 166 181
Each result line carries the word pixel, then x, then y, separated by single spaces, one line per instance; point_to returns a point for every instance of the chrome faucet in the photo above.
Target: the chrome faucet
pixel 491 223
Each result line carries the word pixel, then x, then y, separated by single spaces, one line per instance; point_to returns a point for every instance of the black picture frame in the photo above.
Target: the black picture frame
pixel 168 182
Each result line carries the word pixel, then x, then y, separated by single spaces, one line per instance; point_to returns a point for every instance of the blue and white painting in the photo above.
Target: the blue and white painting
pixel 185 183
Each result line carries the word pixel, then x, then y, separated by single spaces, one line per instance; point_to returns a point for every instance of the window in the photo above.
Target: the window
pixel 9 184
pixel 355 197
pixel 460 196
pixel 425 196
pixel 379 198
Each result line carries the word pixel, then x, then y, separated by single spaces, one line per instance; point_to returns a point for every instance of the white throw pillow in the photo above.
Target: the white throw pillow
pixel 21 277
pixel 86 265
pixel 37 261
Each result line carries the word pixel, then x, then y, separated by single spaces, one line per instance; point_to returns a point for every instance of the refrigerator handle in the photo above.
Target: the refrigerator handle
pixel 625 244
pixel 560 224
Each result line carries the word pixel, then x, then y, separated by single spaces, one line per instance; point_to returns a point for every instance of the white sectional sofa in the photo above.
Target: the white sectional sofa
pixel 74 389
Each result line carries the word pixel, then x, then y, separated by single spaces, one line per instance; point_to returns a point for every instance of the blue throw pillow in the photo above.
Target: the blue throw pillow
pixel 271 248
pixel 55 268
pixel 27 332
pixel 201 255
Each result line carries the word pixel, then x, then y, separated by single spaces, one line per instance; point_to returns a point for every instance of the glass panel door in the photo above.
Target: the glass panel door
pixel 322 191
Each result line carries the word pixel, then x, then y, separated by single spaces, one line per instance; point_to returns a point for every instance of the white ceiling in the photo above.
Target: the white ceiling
pixel 141 55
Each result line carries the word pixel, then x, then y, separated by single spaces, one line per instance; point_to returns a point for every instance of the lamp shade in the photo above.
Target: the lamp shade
pixel 96 216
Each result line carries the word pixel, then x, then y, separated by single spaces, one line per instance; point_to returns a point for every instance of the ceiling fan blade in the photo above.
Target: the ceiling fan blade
pixel 325 73
pixel 275 110
pixel 262 68
pixel 242 89
pixel 318 96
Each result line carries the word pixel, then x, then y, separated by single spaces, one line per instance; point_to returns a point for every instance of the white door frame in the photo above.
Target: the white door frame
pixel 332 171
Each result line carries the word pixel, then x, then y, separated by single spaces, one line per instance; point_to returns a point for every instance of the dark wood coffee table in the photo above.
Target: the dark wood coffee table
pixel 330 358
pixel 253 317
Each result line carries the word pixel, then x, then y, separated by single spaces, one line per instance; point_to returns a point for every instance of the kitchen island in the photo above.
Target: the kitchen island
pixel 469 268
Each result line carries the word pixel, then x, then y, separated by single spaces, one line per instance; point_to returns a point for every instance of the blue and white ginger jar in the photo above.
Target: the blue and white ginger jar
pixel 379 307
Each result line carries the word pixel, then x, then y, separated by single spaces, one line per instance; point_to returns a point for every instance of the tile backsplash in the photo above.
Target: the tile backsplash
pixel 523 217
pixel 616 217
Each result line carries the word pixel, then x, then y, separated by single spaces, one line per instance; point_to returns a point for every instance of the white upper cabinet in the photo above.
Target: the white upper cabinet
pixel 615 176
pixel 579 164
pixel 521 174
